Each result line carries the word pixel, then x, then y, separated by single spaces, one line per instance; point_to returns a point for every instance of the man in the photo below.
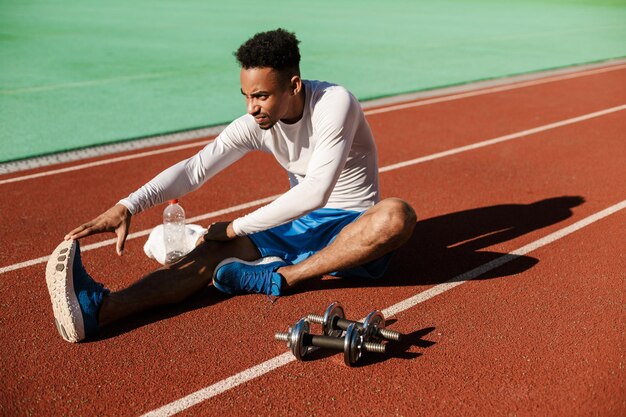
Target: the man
pixel 330 221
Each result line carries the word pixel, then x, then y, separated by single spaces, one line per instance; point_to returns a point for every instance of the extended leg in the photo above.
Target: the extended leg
pixel 380 230
pixel 174 283
pixel 80 304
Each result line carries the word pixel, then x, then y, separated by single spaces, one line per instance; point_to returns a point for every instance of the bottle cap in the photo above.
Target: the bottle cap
pixel 174 201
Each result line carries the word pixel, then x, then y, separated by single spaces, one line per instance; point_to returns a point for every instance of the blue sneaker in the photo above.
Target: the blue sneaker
pixel 234 276
pixel 75 296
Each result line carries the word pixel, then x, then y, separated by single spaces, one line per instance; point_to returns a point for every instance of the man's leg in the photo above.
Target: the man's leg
pixel 81 305
pixel 174 283
pixel 380 230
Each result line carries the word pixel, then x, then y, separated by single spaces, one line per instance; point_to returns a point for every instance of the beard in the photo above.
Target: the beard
pixel 264 122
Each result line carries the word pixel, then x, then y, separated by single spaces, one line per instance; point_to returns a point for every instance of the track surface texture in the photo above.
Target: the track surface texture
pixel 539 332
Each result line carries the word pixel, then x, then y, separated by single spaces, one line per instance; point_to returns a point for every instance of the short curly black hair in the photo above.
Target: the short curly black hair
pixel 276 49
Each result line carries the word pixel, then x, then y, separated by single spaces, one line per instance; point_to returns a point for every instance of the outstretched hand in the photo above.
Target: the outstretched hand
pixel 116 219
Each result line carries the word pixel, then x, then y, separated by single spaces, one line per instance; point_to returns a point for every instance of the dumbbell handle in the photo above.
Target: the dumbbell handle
pixel 343 324
pixel 329 342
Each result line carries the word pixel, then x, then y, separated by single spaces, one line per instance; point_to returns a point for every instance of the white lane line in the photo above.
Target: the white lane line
pixel 281 360
pixel 105 162
pixel 490 90
pixel 489 266
pixel 505 138
pixel 222 386
pixel 145 232
pixel 110 149
pixel 378 110
pixel 381 170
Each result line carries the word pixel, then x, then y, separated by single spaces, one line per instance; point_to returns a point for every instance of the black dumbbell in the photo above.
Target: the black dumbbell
pixel 334 321
pixel 353 344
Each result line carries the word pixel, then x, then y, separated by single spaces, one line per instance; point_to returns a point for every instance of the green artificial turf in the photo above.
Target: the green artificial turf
pixel 80 73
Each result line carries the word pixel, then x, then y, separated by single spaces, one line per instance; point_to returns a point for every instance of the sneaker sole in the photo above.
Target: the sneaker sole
pixel 68 317
pixel 262 261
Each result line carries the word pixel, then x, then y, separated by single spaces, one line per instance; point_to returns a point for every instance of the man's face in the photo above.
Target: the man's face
pixel 267 95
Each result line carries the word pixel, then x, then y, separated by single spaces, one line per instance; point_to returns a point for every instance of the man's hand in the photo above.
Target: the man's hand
pixel 116 219
pixel 220 231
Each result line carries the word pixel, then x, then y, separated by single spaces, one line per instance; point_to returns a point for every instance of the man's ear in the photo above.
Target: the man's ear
pixel 296 85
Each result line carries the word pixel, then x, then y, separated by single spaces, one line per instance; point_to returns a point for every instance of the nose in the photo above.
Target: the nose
pixel 253 107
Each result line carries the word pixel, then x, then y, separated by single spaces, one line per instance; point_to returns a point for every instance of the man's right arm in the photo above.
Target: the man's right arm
pixel 188 175
pixel 234 142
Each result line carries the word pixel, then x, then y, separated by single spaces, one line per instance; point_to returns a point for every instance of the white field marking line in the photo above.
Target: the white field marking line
pixel 77 84
pixel 105 162
pixel 145 232
pixel 389 108
pixel 489 266
pixel 522 84
pixel 381 170
pixel 502 138
pixel 263 368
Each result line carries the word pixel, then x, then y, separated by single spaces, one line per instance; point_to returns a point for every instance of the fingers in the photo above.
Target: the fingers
pixel 109 221
pixel 120 245
pixel 121 241
pixel 81 231
pixel 122 231
pixel 72 233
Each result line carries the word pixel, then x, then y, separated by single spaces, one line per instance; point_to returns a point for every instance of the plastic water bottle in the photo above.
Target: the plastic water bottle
pixel 174 231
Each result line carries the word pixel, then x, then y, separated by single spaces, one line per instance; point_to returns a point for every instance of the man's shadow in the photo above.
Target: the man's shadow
pixel 440 249
pixel 444 247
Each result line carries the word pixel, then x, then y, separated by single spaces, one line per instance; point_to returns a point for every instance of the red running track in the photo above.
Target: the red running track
pixel 540 335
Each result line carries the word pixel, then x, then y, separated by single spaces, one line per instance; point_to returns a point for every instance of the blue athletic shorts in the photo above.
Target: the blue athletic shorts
pixel 299 239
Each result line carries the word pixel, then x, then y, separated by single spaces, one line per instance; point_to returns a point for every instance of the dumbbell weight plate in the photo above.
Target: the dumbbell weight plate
pixel 352 345
pixel 333 312
pixel 374 320
pixel 296 342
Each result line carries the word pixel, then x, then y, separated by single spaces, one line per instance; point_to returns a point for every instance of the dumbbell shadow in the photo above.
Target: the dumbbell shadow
pixel 400 349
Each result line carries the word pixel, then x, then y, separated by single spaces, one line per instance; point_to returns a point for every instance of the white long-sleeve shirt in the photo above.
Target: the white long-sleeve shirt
pixel 329 155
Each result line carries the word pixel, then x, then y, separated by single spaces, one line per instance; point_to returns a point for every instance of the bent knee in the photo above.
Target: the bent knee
pixel 396 218
pixel 399 212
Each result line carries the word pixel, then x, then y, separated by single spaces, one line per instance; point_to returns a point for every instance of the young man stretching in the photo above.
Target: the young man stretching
pixel 330 221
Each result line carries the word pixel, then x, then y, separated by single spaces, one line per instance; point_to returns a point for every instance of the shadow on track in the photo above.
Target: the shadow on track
pixel 445 246
pixel 205 298
pixel 441 248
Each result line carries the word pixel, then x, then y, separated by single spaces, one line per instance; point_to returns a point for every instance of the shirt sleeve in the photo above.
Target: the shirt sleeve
pixel 335 120
pixel 234 142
